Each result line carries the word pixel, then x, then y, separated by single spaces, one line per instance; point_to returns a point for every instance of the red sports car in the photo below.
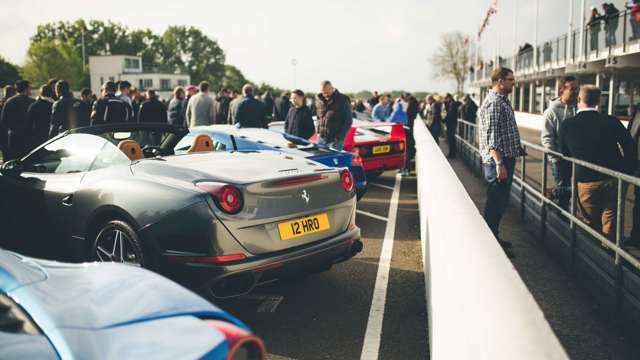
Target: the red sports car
pixel 381 145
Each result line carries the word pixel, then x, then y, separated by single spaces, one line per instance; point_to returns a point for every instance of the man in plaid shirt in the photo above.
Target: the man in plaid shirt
pixel 499 147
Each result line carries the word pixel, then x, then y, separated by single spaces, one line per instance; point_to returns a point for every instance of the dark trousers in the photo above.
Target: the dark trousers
pixel 451 137
pixel 435 131
pixel 497 193
pixel 561 184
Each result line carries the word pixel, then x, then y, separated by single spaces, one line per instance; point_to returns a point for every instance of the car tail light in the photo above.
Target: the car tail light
pixel 356 160
pixel 219 259
pixel 242 344
pixel 227 197
pixel 362 150
pixel 347 180
pixel 399 146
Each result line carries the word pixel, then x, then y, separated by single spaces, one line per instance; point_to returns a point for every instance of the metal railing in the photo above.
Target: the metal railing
pixel 467 137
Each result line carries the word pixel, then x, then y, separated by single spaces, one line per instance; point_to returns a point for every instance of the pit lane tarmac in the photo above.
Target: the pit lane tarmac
pixel 372 306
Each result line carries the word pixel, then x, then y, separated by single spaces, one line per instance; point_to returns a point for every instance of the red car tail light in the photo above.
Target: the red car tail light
pixel 356 160
pixel 361 150
pixel 242 344
pixel 399 146
pixel 227 197
pixel 347 180
pixel 219 259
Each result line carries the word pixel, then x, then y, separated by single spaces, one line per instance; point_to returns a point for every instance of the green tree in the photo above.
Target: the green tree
pixel 233 78
pixel 8 72
pixel 53 59
pixel 191 51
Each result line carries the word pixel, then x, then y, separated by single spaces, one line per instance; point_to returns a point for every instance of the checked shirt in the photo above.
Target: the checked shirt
pixel 498 128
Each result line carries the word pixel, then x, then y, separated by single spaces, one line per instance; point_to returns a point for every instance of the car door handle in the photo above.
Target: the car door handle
pixel 67 200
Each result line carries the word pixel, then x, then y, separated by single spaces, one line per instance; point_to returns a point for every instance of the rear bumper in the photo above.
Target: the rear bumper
pixel 388 162
pixel 241 277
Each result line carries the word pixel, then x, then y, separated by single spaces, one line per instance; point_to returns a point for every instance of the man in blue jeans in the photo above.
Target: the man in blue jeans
pixel 499 147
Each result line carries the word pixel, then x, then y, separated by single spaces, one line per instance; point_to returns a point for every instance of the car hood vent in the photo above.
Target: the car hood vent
pixel 13 319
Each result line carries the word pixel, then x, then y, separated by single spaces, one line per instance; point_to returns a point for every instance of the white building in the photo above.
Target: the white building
pixel 583 52
pixel 131 68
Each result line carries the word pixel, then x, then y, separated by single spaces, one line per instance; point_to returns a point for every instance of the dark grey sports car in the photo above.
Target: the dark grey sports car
pixel 220 221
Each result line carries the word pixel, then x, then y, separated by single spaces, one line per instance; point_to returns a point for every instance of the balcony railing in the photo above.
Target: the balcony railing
pixel 600 39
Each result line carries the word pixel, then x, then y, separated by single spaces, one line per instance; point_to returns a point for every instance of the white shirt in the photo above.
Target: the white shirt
pixel 586 109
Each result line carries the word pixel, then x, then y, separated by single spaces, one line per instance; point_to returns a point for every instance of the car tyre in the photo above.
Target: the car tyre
pixel 116 241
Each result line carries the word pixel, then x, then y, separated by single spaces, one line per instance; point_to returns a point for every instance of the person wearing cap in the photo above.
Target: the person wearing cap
pixel 189 90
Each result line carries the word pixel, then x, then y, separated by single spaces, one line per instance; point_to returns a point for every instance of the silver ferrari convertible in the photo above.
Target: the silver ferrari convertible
pixel 222 222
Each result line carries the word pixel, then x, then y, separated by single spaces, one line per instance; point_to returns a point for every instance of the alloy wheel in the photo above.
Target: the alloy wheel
pixel 116 246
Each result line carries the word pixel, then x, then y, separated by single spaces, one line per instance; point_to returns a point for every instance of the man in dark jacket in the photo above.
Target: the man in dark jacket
pixel 39 116
pixel 413 108
pixel 269 105
pixel 281 108
pixel 334 116
pixel 9 91
pixel 14 118
pixel 86 99
pixel 451 120
pixel 597 138
pixel 152 110
pixel 299 121
pixel 373 101
pixel 250 112
pixel 67 112
pixel 175 110
pixel 221 105
pixel 110 109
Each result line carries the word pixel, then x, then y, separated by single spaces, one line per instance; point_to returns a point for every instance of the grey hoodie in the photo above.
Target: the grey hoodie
pixel 553 117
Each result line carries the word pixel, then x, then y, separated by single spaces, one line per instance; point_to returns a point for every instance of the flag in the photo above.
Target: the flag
pixel 493 9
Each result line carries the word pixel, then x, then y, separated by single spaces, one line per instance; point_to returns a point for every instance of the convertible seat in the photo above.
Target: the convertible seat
pixel 201 143
pixel 132 149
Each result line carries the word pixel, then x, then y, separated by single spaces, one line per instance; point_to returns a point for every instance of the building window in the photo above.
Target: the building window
pixel 132 63
pixel 182 82
pixel 165 84
pixel 146 83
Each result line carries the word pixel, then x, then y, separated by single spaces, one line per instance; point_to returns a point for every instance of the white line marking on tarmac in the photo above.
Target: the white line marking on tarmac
pixel 277 357
pixel 381 186
pixel 371 346
pixel 270 304
pixel 365 213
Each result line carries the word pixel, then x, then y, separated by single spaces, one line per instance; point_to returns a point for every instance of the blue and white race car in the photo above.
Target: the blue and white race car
pixel 51 310
pixel 230 138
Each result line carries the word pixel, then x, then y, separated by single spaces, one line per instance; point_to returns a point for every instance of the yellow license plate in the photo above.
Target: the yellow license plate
pixel 381 149
pixel 303 226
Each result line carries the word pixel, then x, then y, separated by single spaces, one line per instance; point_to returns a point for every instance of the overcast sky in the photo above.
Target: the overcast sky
pixel 357 44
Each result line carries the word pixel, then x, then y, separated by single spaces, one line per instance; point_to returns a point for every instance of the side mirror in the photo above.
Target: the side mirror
pixel 12 168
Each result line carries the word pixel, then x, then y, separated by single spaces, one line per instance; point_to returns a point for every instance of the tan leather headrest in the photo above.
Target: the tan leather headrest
pixel 132 149
pixel 202 142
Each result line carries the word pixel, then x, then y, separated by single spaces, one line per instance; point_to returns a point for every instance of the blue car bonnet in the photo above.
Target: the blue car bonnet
pixel 105 310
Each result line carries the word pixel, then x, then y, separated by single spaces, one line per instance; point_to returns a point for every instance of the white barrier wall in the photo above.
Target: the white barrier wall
pixel 479 308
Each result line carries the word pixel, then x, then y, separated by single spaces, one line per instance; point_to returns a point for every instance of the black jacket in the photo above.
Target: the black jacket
pixel 451 118
pixel 334 115
pixel 269 104
pixel 67 113
pixel 412 112
pixel 221 108
pixel 14 119
pixel 469 111
pixel 299 122
pixel 250 113
pixel 153 111
pixel 281 109
pixel 39 115
pixel 176 113
pixel 594 137
pixel 110 109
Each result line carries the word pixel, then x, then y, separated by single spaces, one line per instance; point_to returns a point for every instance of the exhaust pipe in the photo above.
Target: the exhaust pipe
pixel 233 285
pixel 356 247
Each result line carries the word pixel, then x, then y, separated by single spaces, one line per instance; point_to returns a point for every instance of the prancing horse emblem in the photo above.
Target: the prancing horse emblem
pixel 305 196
